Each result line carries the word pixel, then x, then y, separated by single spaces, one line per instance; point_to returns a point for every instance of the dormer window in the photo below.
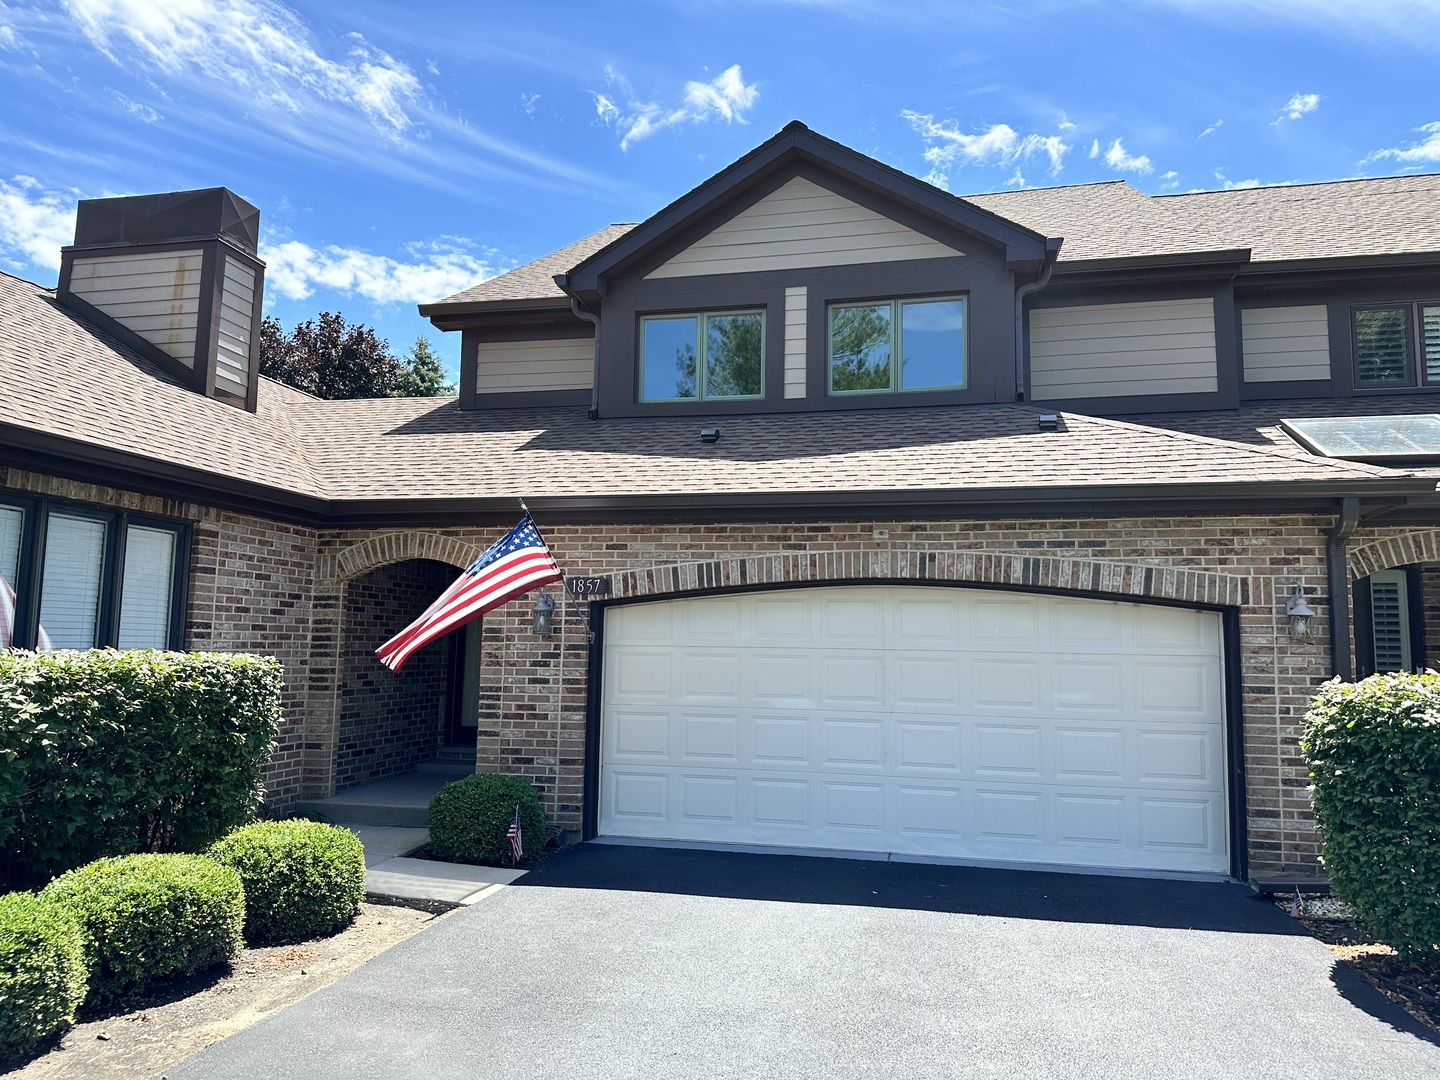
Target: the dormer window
pixel 897 345
pixel 705 356
pixel 1387 341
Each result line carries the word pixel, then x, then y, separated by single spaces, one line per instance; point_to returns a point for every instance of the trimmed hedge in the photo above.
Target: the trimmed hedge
pixel 42 972
pixel 148 917
pixel 470 817
pixel 108 753
pixel 302 879
pixel 1374 753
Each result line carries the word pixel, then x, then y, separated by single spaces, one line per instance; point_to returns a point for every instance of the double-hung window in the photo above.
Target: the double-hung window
pixel 897 345
pixel 704 356
pixel 78 577
pixel 1397 345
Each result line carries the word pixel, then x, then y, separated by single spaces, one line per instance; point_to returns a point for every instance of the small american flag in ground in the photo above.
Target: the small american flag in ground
pixel 516 563
pixel 517 842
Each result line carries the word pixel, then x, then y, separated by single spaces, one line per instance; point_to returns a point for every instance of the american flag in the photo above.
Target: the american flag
pixel 516 563
pixel 7 621
pixel 517 842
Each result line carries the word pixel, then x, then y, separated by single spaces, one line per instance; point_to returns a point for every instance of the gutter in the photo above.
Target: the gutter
pixel 1337 565
pixel 1052 252
pixel 582 312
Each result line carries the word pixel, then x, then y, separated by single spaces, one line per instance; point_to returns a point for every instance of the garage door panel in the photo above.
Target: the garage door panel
pixel 920 720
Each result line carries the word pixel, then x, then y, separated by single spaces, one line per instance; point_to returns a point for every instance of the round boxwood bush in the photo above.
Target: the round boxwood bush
pixel 302 879
pixel 1374 753
pixel 148 917
pixel 470 817
pixel 42 972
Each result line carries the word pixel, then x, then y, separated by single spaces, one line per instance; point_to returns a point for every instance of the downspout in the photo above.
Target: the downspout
pixel 1337 561
pixel 1052 252
pixel 582 312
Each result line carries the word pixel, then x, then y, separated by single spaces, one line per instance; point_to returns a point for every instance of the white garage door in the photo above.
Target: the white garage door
pixel 919 720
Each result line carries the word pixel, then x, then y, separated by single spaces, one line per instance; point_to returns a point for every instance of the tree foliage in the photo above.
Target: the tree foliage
pixel 860 348
pixel 333 359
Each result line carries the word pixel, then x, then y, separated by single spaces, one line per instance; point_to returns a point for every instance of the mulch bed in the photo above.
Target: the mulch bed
pixel 1414 987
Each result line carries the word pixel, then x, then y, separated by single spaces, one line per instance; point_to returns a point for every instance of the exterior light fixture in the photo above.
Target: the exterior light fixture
pixel 544 614
pixel 709 434
pixel 1299 614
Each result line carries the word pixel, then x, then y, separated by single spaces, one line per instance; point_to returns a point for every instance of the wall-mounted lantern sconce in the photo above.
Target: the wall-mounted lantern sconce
pixel 544 614
pixel 1299 614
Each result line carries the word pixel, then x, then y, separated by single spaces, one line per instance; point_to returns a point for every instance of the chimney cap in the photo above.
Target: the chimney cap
pixel 175 215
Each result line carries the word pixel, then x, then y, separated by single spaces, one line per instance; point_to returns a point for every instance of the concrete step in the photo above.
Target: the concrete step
pixel 453 768
pixel 402 801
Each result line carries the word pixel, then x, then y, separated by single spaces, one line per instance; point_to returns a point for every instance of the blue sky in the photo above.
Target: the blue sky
pixel 398 154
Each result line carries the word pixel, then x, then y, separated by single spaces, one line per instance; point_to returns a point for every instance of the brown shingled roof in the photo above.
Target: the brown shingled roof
pixel 535 281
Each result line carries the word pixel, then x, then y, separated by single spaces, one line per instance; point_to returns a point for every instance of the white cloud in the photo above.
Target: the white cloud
pixel 1094 149
pixel 9 39
pixel 1235 185
pixel 1424 151
pixel 1211 129
pixel 1120 161
pixel 258 48
pixel 1297 106
pixel 1000 144
pixel 137 109
pixel 432 270
pixel 34 223
pixel 726 97
pixel 527 102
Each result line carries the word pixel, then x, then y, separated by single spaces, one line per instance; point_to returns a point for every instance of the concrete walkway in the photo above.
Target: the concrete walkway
pixel 616 962
pixel 389 874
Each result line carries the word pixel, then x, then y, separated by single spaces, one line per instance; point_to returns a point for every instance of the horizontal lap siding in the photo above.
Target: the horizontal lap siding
pixel 795 342
pixel 232 360
pixel 801 225
pixel 1121 350
pixel 507 367
pixel 1288 344
pixel 155 295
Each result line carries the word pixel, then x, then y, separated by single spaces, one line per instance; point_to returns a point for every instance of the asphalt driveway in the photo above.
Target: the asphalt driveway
pixel 617 962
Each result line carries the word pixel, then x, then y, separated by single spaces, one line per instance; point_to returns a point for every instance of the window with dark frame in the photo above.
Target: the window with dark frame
pixel 702 356
pixel 81 577
pixel 894 346
pixel 1389 339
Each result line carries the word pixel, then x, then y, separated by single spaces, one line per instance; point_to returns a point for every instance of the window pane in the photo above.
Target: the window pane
pixel 734 345
pixel 932 344
pixel 668 369
pixel 860 347
pixel 1430 336
pixel 145 590
pixel 1382 352
pixel 12 527
pixel 70 591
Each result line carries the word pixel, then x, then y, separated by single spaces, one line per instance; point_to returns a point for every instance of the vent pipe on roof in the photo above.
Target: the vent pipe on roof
pixel 176 278
pixel 1052 252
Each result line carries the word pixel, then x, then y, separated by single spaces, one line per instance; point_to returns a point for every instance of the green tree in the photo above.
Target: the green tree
pixel 330 358
pixel 423 375
pixel 860 348
pixel 732 356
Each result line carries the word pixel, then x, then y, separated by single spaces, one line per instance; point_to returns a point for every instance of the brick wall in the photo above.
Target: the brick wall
pixel 390 721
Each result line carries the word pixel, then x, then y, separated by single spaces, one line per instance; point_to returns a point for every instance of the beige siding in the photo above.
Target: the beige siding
pixel 237 310
pixel 508 367
pixel 800 225
pixel 1122 350
pixel 795 342
pixel 1285 344
pixel 156 295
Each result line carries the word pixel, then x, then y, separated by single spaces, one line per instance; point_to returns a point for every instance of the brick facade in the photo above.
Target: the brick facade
pixel 389 722
pixel 264 586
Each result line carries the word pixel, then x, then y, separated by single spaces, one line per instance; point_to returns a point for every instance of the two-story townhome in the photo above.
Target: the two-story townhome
pixel 1017 528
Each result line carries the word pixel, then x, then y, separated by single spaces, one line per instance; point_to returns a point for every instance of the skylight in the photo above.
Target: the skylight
pixel 1378 439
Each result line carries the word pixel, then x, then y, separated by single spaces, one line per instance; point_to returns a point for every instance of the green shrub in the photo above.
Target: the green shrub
pixel 302 879
pixel 148 917
pixel 42 972
pixel 108 753
pixel 1374 753
pixel 469 818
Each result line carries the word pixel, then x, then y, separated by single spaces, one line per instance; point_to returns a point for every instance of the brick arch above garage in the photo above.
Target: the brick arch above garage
pixel 1386 553
pixel 1118 580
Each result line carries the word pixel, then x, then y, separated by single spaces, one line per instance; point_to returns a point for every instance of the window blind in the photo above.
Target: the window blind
pixel 12 527
pixel 1382 346
pixel 1390 621
pixel 70 588
pixel 145 589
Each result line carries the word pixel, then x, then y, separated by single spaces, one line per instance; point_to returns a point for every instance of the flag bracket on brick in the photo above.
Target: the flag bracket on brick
pixel 512 566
